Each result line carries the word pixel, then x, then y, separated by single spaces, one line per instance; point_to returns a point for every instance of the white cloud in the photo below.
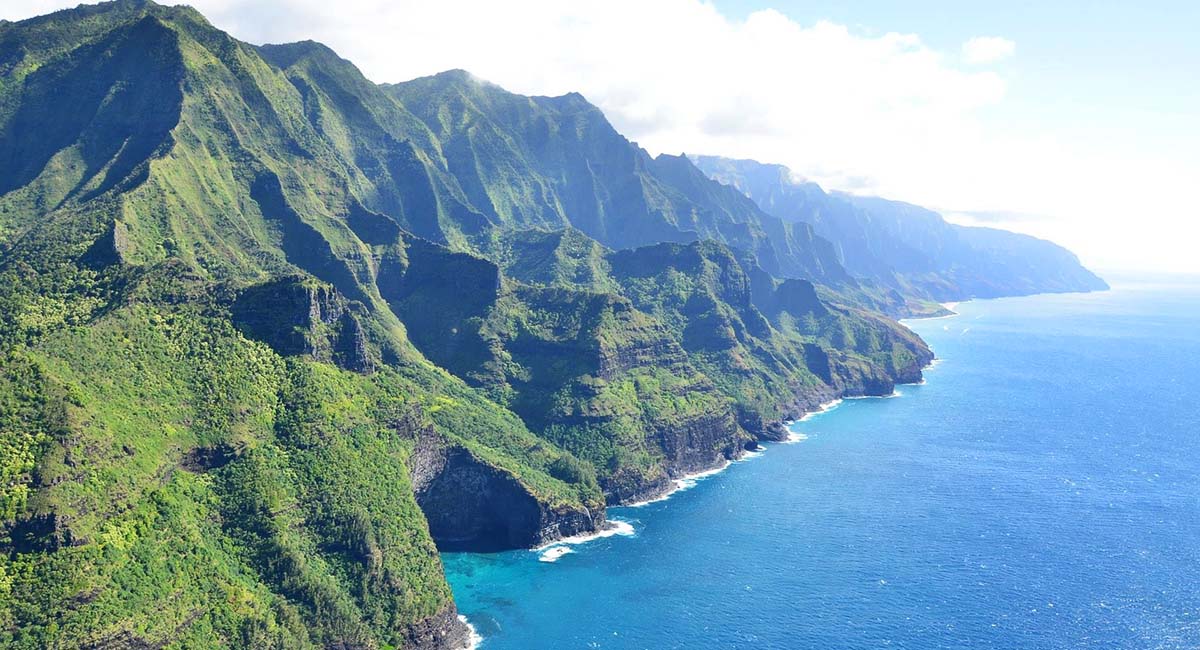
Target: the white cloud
pixel 884 114
pixel 987 49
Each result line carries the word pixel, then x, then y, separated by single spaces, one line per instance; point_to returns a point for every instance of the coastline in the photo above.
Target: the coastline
pixel 822 408
pixel 689 480
pixel 948 306
pixel 806 401
pixel 552 551
pixel 804 497
pixel 680 484
pixel 474 639
pixel 611 527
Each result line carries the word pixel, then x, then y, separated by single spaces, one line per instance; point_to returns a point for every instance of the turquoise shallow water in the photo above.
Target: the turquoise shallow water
pixel 1041 490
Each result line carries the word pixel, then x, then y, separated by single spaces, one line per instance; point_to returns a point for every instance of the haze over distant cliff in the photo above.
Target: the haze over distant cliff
pixel 906 246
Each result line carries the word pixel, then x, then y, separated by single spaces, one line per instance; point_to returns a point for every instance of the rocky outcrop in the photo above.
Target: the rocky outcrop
pixel 442 631
pixel 627 485
pixel 298 315
pixel 282 312
pixel 110 248
pixel 349 344
pixel 701 443
pixel 697 445
pixel 206 459
pixel 471 504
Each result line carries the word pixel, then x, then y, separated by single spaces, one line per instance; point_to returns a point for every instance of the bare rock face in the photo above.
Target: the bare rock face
pixel 110 248
pixel 350 348
pixel 297 315
pixel 701 443
pixel 627 485
pixel 442 631
pixel 473 505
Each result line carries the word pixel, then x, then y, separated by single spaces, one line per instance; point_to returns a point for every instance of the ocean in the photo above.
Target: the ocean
pixel 1040 490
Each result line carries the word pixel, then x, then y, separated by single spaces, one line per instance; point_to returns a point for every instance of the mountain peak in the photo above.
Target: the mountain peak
pixel 286 55
pixel 461 76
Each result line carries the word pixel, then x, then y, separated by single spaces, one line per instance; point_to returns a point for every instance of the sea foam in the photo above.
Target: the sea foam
pixel 892 395
pixel 474 639
pixel 689 481
pixel 554 552
pixel 616 527
pixel 822 408
pixel 794 436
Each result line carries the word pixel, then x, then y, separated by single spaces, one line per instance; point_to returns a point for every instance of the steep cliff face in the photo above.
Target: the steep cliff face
pixel 297 315
pixel 584 370
pixel 441 631
pixel 472 505
pixel 441 296
pixel 775 348
pixel 688 354
pixel 556 162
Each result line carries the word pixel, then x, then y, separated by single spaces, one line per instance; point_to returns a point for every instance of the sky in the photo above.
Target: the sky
pixel 1075 121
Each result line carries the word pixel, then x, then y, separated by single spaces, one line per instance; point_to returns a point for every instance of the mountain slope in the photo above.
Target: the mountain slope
pixel 908 247
pixel 290 491
pixel 647 363
pixel 273 334
pixel 552 162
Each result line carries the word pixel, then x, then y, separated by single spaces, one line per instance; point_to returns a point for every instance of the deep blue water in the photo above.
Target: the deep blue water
pixel 1041 490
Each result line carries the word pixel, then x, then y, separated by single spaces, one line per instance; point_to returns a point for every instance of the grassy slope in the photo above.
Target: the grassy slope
pixel 295 537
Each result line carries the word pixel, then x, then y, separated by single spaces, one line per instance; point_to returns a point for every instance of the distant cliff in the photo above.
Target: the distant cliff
pixel 908 247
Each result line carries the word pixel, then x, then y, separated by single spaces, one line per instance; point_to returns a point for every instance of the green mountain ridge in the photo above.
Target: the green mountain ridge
pixel 554 162
pixel 272 334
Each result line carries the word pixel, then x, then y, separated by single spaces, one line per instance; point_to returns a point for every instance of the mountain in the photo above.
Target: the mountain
pixel 908 247
pixel 272 335
pixel 553 162
pixel 655 361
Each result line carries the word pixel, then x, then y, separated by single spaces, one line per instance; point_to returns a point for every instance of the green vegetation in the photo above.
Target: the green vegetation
pixel 248 297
